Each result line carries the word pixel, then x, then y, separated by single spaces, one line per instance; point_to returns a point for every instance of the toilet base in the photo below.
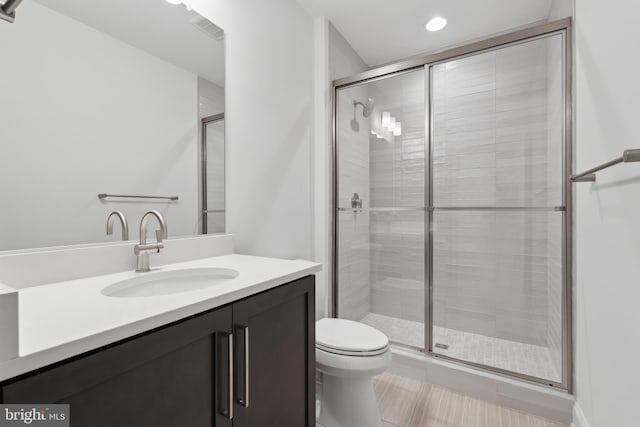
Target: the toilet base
pixel 348 402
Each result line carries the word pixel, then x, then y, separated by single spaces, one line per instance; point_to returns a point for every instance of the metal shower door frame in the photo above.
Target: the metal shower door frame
pixel 561 27
pixel 204 212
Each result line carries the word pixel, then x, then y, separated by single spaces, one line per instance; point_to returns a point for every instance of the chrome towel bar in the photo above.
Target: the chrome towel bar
pixel 105 195
pixel 8 10
pixel 628 156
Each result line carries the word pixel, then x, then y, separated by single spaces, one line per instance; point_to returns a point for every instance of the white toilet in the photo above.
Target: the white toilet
pixel 349 354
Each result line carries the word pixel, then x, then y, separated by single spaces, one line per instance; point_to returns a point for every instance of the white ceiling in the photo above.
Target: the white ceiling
pixel 155 26
pixel 384 31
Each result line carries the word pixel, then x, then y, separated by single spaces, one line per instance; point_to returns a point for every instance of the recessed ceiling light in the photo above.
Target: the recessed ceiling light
pixel 436 24
pixel 174 1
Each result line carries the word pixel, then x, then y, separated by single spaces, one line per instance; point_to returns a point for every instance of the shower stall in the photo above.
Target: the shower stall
pixel 452 209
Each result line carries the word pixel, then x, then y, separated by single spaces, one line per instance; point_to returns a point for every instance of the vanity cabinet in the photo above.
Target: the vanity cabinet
pixel 257 352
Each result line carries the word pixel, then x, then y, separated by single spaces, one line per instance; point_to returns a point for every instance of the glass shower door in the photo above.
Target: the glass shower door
pixel 380 212
pixel 497 208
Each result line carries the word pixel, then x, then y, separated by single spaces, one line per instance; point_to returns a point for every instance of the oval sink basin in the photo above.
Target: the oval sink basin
pixel 169 282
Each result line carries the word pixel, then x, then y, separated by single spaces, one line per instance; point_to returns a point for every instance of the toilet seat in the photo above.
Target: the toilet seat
pixel 352 352
pixel 349 338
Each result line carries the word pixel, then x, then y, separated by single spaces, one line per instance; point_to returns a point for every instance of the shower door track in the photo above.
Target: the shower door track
pixel 562 27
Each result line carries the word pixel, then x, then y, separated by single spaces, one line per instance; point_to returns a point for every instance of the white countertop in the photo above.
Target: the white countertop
pixel 64 319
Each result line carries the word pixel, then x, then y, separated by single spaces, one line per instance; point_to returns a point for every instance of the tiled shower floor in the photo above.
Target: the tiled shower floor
pixel 514 356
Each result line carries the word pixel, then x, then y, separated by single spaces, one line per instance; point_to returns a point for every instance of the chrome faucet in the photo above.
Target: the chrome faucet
pixel 125 227
pixel 141 249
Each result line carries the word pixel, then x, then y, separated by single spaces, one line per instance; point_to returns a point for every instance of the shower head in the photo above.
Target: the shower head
pixel 355 126
pixel 366 107
pixel 366 112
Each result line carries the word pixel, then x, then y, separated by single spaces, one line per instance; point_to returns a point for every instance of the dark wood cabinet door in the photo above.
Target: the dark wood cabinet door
pixel 176 376
pixel 274 332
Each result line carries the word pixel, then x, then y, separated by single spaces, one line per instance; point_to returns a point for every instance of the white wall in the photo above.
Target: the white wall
pixel 560 9
pixel 321 202
pixel 269 123
pixel 344 61
pixel 82 113
pixel 607 212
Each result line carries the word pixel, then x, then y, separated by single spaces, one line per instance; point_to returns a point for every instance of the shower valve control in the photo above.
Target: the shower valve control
pixel 356 201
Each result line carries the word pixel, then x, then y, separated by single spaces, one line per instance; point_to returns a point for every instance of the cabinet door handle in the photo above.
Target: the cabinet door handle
pixel 230 379
pixel 228 411
pixel 244 330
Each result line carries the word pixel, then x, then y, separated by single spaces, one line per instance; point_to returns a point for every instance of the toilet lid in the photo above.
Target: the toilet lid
pixel 349 337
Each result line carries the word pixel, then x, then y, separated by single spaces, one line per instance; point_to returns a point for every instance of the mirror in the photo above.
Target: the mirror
pixel 108 96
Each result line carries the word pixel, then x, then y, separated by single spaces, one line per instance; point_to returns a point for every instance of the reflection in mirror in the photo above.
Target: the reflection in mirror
pixel 213 174
pixel 106 96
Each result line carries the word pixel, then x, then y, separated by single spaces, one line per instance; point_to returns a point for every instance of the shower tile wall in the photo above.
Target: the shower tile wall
pixel 397 180
pixel 353 245
pixel 490 149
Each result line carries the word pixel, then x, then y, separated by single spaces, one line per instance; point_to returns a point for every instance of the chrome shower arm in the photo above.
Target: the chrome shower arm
pixel 366 107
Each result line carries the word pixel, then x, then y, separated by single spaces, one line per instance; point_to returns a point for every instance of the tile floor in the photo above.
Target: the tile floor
pixel 405 402
pixel 514 356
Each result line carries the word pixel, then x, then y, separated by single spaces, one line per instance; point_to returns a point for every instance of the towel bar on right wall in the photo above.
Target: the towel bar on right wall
pixel 628 156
